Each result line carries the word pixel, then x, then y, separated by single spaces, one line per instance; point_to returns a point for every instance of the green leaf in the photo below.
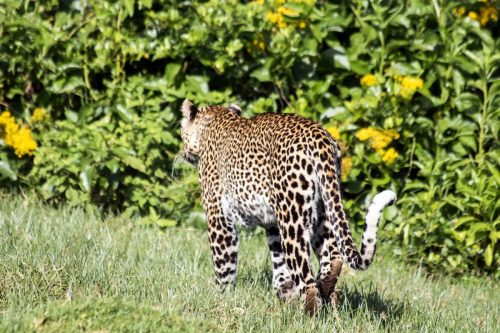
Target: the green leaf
pixel 262 74
pixel 488 255
pixel 6 171
pixel 171 71
pixel 197 84
pixel 67 84
pixel 124 113
pixel 469 141
pixel 129 6
pixel 390 212
pixel 459 149
pixel 233 47
pixel 135 163
pixel 467 101
pixel 87 178
pixel 146 3
pixel 130 160
pixel 164 223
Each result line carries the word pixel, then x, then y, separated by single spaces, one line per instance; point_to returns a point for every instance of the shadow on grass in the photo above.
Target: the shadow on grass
pixel 262 277
pixel 353 300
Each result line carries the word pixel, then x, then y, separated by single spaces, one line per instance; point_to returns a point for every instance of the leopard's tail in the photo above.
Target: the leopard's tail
pixel 329 183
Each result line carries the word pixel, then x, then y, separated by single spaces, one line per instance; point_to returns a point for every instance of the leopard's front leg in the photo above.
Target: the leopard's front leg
pixel 223 238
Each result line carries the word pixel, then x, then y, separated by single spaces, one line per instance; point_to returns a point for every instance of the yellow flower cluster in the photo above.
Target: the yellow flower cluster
pixel 281 2
pixel 278 17
pixel 487 13
pixel 459 11
pixel 346 167
pixel 19 138
pixel 390 156
pixel 409 85
pixel 346 161
pixel 38 115
pixel 334 131
pixel 369 80
pixel 380 139
pixel 259 44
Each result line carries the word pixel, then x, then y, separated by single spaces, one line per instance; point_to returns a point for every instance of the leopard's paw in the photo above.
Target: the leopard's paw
pixel 287 291
pixel 312 301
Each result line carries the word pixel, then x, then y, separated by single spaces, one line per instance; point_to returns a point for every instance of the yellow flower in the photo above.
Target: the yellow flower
pixel 473 16
pixel 5 118
pixel 412 82
pixel 346 167
pixel 390 156
pixel 307 2
pixel 486 13
pixel 380 141
pixel 23 142
pixel 391 133
pixel 407 93
pixel 334 131
pixel 259 43
pixel 369 80
pixel 364 134
pixel 38 115
pixel 11 129
pixel 379 138
pixel 409 85
pixel 287 11
pixel 459 11
pixel 272 17
pixel 281 23
pixel 21 139
pixel 279 16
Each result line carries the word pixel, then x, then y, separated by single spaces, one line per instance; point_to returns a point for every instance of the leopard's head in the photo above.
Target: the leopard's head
pixel 190 131
pixel 194 120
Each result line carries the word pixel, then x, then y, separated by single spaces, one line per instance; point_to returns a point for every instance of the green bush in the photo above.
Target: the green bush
pixel 410 89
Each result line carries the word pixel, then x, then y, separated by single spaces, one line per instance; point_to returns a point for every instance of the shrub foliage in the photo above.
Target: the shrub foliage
pixel 410 89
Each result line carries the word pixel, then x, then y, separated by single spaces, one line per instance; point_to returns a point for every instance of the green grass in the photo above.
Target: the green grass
pixel 65 270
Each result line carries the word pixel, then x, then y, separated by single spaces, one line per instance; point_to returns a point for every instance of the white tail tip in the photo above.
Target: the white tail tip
pixel 384 199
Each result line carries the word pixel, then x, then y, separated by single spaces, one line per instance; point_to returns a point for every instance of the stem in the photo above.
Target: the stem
pixel 412 153
pixel 486 73
pixel 479 157
pixel 437 9
pixel 382 52
pixel 358 16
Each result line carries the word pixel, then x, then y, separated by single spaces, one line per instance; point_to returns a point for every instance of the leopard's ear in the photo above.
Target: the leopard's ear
pixel 189 111
pixel 235 108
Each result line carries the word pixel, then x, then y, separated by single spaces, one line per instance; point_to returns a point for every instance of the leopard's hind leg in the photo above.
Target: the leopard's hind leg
pixel 294 216
pixel 330 262
pixel 282 280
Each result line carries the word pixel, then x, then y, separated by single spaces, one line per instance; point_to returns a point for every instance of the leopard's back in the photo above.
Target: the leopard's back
pixel 252 154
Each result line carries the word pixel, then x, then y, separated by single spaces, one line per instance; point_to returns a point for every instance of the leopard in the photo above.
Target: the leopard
pixel 281 172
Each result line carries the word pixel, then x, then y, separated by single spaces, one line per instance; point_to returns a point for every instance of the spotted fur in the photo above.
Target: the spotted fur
pixel 281 172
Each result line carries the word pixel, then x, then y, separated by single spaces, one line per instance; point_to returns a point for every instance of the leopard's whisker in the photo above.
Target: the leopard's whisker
pixel 177 161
